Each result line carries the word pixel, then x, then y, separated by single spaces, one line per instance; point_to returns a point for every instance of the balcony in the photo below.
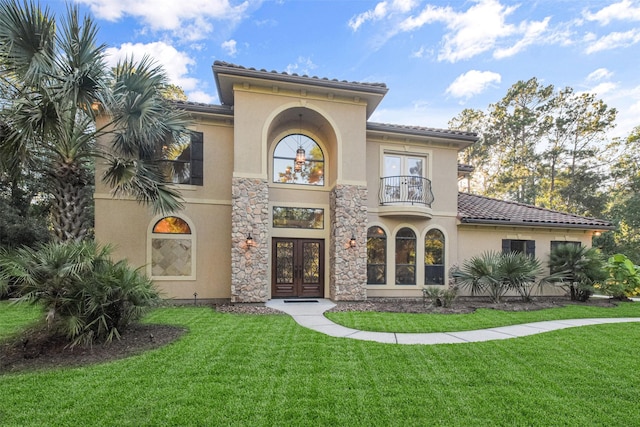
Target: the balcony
pixel 405 195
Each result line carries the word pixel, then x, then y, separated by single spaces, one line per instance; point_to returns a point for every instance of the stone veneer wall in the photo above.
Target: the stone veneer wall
pixel 348 280
pixel 249 214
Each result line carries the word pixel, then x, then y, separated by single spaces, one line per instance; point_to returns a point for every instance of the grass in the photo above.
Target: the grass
pixel 480 319
pixel 14 318
pixel 267 370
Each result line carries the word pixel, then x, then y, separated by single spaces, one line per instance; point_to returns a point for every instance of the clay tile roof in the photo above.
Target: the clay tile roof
pixel 204 108
pixel 421 130
pixel 473 209
pixel 295 76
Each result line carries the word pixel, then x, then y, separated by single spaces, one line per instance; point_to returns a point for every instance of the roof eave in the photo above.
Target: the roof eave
pixel 481 221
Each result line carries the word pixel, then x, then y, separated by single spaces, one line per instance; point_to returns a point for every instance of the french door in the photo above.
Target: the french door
pixel 298 268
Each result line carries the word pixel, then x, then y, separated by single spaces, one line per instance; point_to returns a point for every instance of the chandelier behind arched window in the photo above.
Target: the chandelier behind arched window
pixel 290 167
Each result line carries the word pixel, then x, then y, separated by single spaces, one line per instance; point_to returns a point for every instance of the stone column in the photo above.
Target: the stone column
pixel 249 215
pixel 348 265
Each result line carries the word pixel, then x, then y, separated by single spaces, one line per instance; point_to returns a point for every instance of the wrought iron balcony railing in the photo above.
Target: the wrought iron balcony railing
pixel 405 190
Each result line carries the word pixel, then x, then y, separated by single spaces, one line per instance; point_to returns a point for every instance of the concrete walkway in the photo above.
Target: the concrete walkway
pixel 310 314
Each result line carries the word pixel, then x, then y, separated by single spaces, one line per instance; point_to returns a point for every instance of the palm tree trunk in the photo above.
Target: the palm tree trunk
pixel 70 210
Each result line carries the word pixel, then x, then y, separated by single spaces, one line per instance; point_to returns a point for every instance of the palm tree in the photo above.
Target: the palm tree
pixel 495 274
pixel 54 84
pixel 577 268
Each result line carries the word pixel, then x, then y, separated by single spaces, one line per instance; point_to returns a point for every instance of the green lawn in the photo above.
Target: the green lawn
pixel 480 319
pixel 267 370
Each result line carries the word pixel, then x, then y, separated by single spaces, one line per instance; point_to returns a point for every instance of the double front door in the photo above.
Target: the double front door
pixel 298 268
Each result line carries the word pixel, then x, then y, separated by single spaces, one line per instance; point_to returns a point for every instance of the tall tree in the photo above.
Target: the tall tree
pixel 54 83
pixel 517 125
pixel 541 146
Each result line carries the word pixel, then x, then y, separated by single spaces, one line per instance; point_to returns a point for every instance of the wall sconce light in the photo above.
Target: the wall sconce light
pixel 352 241
pixel 597 233
pixel 250 242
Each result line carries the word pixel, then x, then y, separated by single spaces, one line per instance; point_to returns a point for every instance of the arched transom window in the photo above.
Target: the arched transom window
pixel 298 159
pixel 172 246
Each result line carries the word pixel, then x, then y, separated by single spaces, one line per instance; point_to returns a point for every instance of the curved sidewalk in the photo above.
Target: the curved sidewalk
pixel 310 314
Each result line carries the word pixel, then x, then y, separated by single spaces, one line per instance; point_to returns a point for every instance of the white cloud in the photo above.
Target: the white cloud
pixel 472 83
pixel 615 40
pixel 625 10
pixel 380 11
pixel 188 19
pixel 599 74
pixel 230 47
pixel 603 88
pixel 200 96
pixel 532 32
pixel 175 63
pixel 303 65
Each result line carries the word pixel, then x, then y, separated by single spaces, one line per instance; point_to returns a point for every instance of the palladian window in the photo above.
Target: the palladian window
pixel 298 159
pixel 172 246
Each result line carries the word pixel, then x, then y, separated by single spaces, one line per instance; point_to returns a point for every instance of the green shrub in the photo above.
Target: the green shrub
pixel 494 274
pixel 439 296
pixel 86 296
pixel 623 277
pixel 576 269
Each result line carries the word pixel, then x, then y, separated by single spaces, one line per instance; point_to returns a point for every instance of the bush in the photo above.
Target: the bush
pixel 494 274
pixel 439 296
pixel 577 269
pixel 86 296
pixel 623 277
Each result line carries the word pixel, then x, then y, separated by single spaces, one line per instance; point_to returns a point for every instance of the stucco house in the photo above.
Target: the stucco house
pixel 291 192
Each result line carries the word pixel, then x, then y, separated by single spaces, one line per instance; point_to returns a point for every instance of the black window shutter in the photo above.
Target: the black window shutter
pixel 197 158
pixel 506 246
pixel 531 247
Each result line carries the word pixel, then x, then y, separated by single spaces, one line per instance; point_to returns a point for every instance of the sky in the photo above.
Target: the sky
pixel 436 57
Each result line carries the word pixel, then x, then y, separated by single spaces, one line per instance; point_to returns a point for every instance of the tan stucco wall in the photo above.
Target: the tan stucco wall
pixel 126 224
pixel 474 240
pixel 340 127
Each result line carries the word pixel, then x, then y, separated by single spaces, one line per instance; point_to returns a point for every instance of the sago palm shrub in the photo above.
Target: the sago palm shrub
pixel 85 295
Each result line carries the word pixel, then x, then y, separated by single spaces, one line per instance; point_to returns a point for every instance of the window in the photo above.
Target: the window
pixel 376 256
pixel 172 245
pixel 434 258
pixel 405 257
pixel 182 162
pixel 404 180
pixel 556 243
pixel 309 218
pixel 287 169
pixel 523 246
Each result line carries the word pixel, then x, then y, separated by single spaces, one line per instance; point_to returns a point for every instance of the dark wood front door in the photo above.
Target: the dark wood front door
pixel 298 268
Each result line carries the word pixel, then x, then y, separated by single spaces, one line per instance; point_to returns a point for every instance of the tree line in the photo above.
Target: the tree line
pixel 550 147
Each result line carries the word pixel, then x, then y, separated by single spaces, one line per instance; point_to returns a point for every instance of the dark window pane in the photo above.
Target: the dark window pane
pixel 376 256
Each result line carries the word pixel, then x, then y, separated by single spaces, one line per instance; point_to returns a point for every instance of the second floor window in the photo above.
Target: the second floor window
pixel 182 161
pixel 404 180
pixel 298 159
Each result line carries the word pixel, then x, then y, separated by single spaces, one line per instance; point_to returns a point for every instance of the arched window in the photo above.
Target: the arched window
pixel 434 258
pixel 405 257
pixel 298 159
pixel 172 247
pixel 376 256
